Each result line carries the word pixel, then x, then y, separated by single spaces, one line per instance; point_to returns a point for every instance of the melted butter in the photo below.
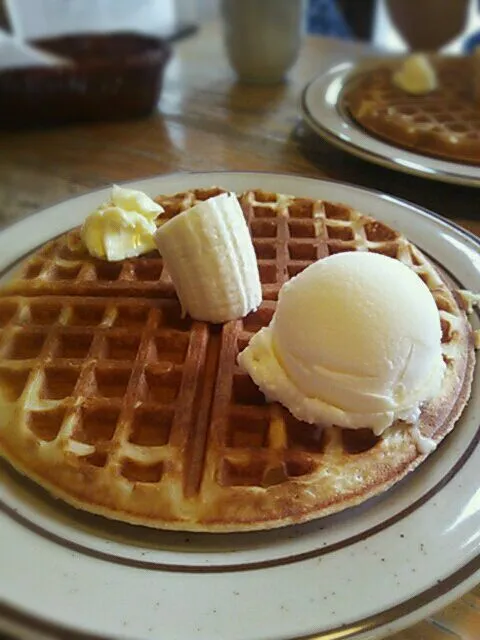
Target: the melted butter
pixel 123 227
pixel 470 299
pixel 424 445
pixel 416 75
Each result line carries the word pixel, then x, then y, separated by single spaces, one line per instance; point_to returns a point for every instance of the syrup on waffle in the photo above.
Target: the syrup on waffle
pixel 444 123
pixel 122 408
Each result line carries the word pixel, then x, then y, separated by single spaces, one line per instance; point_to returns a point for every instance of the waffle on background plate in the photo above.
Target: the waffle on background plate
pixel 444 123
pixel 114 403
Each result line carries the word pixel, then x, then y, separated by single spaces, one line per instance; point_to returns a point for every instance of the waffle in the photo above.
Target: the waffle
pixel 113 402
pixel 444 123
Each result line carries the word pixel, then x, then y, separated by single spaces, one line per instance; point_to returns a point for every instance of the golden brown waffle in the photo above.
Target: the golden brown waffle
pixel 444 123
pixel 122 408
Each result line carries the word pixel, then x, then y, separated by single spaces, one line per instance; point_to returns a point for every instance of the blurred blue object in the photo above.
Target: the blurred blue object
pixel 324 17
pixel 472 42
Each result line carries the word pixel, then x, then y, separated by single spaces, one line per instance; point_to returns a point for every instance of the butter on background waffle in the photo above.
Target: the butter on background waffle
pixel 113 402
pixel 443 123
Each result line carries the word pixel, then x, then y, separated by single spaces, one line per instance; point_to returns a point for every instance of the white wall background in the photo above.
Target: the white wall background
pixel 36 18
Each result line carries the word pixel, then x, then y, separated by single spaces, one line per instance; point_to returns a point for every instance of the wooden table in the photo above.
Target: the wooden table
pixel 206 121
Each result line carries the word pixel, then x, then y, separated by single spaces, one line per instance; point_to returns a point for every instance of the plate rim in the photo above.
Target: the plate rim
pixel 350 69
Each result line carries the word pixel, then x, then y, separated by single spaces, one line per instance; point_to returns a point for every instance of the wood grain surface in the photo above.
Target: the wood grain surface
pixel 207 121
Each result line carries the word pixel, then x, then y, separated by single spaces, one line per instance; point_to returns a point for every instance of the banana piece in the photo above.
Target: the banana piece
pixel 210 257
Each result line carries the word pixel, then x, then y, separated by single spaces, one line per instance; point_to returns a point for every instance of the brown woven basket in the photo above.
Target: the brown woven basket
pixel 109 77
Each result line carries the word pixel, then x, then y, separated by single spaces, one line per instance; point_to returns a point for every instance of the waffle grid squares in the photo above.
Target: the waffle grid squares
pixel 81 275
pixel 444 123
pixel 75 366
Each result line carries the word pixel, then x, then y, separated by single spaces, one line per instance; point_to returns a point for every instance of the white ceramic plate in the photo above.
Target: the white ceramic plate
pixel 361 574
pixel 322 108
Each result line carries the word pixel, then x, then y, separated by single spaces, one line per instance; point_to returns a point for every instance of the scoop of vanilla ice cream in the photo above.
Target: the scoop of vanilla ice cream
pixel 355 341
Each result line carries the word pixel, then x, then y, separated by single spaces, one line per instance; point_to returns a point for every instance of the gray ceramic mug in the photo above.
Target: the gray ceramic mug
pixel 263 37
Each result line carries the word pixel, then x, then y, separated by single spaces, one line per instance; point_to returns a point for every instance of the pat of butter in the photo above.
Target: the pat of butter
pixel 416 75
pixel 123 227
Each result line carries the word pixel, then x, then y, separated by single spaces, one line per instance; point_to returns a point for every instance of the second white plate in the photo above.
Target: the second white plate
pixel 322 108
